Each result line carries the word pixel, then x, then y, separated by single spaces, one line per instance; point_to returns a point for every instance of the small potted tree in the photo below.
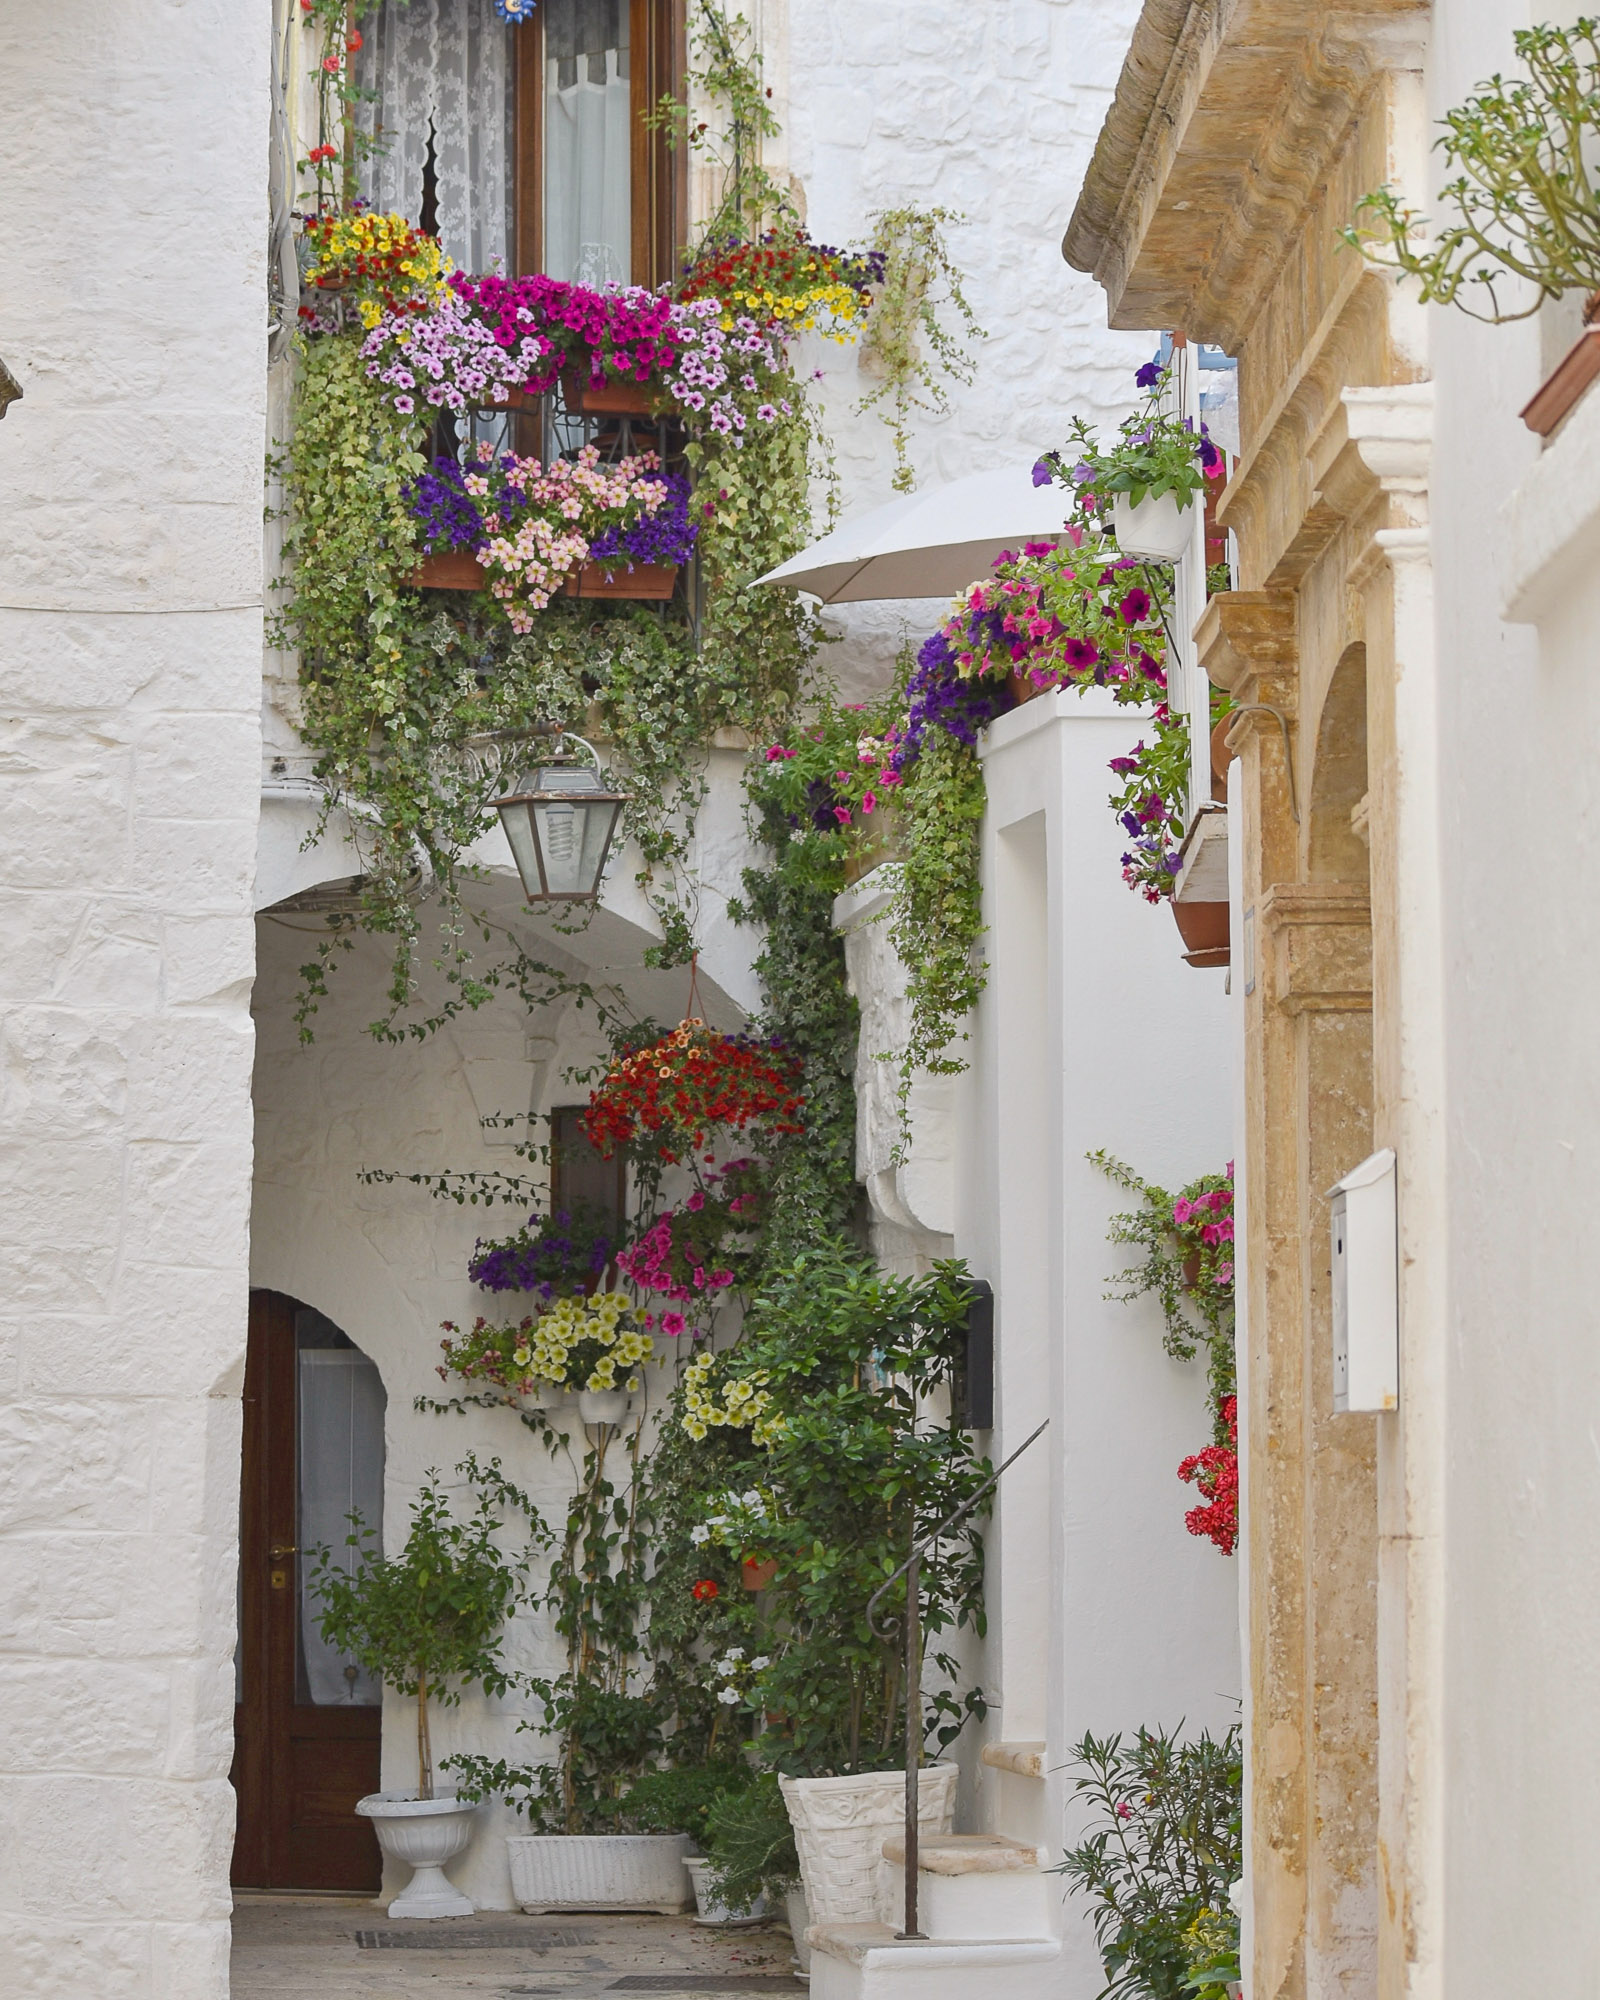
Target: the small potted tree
pixel 427 1623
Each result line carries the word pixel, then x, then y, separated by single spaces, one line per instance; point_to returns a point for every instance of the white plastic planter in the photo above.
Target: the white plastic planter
pixel 840 1825
pixel 711 1908
pixel 603 1406
pixel 425 1833
pixel 600 1871
pixel 1158 529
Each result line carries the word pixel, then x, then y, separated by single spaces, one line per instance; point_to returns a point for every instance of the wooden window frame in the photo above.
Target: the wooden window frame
pixel 659 205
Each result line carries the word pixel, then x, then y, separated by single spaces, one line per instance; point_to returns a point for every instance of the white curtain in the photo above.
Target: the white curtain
pixel 587 146
pixel 341 1473
pixel 441 74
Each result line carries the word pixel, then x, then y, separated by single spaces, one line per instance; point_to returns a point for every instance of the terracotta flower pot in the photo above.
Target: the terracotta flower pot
pixel 1204 930
pixel 755 1574
pixel 585 398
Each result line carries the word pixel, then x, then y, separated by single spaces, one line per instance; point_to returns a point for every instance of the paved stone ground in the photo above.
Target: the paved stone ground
pixel 339 1948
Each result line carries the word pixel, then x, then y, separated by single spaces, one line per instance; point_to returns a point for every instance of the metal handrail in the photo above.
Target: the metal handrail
pixel 913 1666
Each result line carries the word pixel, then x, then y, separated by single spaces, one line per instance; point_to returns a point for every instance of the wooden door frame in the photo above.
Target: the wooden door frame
pixel 269 1847
pixel 658 38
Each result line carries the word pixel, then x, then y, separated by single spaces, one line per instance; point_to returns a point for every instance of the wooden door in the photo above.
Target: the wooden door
pixel 301 1759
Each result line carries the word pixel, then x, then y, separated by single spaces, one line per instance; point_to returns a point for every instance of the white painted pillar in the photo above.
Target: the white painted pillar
pixel 133 235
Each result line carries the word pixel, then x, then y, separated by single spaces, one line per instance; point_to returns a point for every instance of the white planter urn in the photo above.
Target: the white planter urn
pixel 425 1833
pixel 711 1908
pixel 600 1871
pixel 840 1825
pixel 603 1406
pixel 797 1914
pixel 1157 529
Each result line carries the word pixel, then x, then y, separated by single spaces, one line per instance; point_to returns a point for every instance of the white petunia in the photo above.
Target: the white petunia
pixel 759 1662
pixel 728 1696
pixel 699 1535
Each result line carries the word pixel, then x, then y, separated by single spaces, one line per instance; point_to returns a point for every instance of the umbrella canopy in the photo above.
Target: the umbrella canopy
pixel 929 544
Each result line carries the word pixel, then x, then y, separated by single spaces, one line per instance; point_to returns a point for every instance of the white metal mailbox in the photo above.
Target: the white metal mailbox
pixel 1366 1287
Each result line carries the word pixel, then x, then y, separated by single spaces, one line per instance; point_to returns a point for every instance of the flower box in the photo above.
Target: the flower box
pixel 1562 392
pixel 600 1871
pixel 586 398
pixel 461 570
pixel 652 582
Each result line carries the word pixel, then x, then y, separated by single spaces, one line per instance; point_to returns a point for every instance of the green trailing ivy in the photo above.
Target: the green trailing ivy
pixel 936 924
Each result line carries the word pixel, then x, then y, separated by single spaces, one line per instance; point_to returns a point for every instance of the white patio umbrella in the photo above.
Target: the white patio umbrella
pixel 928 544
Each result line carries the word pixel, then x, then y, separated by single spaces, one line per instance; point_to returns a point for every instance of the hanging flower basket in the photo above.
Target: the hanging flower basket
pixel 755 1572
pixel 693 1081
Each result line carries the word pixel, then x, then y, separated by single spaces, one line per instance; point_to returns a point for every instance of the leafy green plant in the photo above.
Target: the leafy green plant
pixel 750 1839
pixel 936 922
pixel 1165 1845
pixel 683 1800
pixel 1523 196
pixel 1212 1942
pixel 859 1364
pixel 428 1622
pixel 907 346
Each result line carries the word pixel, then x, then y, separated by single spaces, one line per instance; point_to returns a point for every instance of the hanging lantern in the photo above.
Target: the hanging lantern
pixel 561 820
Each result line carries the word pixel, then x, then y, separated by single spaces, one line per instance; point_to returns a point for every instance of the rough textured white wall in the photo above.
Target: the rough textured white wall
pixel 132 234
pixel 991 111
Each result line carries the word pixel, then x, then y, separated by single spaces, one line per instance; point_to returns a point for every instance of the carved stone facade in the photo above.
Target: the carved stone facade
pixel 1240 139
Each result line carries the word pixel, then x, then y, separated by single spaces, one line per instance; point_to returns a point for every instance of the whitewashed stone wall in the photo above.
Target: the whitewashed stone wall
pixel 992 111
pixel 132 311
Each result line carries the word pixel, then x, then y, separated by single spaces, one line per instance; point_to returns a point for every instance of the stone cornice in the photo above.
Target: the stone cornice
pixel 1241 632
pixel 1225 120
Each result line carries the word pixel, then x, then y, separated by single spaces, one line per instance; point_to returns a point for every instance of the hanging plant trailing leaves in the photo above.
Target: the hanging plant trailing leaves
pixel 907 345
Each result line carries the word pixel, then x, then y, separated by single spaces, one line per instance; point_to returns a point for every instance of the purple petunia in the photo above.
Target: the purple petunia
pixel 1149 375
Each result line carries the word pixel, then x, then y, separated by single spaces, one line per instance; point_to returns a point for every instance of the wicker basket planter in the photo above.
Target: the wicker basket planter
pixel 840 1825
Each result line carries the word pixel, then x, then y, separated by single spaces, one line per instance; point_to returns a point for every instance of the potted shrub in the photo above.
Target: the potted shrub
pixel 825 1403
pixel 683 1801
pixel 427 1624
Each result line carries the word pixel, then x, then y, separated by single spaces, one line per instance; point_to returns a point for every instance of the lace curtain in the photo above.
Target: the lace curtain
pixel 441 75
pixel 341 1472
pixel 588 224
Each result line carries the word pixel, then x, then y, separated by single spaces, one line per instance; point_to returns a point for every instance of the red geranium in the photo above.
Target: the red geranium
pixel 680 1088
pixel 1216 1472
pixel 705 1590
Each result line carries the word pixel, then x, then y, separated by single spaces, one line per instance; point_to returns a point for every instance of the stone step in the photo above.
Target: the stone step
pixel 868 1962
pixel 969 1885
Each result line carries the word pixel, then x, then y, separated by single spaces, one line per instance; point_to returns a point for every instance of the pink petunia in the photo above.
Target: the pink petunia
pixel 673 1324
pixel 869 802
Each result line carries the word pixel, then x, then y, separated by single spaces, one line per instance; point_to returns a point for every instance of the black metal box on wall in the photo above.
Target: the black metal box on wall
pixel 975 1383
